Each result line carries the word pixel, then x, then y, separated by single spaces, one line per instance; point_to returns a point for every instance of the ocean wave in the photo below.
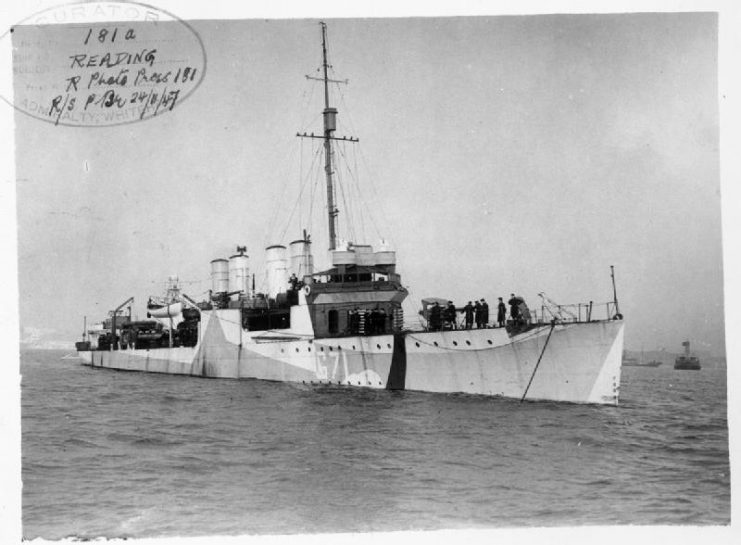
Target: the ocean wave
pixel 138 455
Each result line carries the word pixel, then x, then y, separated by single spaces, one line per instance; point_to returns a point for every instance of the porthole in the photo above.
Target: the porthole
pixel 282 350
pixel 489 341
pixel 339 347
pixel 353 347
pixel 297 350
pixel 435 343
pixel 417 344
pixel 455 343
pixel 330 349
pixel 468 343
pixel 309 349
pixel 388 345
pixel 321 348
pixel 378 346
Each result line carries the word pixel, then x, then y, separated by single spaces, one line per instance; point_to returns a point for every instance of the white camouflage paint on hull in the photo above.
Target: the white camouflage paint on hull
pixel 581 362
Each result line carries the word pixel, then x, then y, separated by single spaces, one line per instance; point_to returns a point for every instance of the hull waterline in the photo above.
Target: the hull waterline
pixel 579 362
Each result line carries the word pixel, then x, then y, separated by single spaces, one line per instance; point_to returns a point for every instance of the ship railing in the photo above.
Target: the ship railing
pixel 576 312
pixel 565 314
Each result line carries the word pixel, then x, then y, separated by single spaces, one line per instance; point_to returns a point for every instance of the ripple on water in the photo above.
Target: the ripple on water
pixel 138 455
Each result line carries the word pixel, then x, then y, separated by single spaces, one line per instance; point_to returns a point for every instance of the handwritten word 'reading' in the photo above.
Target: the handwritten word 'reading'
pixel 83 60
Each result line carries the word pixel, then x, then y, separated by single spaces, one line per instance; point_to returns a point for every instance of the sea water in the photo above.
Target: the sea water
pixel 122 454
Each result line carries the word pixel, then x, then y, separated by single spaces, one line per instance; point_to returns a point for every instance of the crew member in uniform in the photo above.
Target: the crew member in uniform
pixel 501 313
pixel 381 320
pixel 436 317
pixel 468 310
pixel 450 315
pixel 514 310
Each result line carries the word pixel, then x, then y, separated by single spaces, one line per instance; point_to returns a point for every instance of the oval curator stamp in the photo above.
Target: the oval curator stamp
pixel 98 64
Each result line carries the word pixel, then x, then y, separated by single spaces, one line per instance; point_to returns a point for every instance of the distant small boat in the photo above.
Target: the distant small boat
pixel 632 361
pixel 629 360
pixel 687 361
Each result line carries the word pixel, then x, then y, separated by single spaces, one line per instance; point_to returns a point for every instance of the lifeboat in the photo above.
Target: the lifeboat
pixel 165 311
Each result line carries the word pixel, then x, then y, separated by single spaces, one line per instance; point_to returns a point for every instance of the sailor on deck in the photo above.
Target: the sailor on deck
pixel 468 310
pixel 436 317
pixel 381 320
pixel 450 315
pixel 501 313
pixel 514 310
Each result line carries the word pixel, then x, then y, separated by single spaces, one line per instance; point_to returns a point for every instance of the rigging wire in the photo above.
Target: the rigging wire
pixel 297 202
pixel 378 201
pixel 270 227
pixel 314 188
pixel 305 106
pixel 304 113
pixel 348 210
pixel 300 171
pixel 354 198
pixel 371 183
pixel 312 199
pixel 347 197
pixel 347 191
pixel 360 200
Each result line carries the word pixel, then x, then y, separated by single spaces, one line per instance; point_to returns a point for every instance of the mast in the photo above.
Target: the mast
pixel 329 127
pixel 614 294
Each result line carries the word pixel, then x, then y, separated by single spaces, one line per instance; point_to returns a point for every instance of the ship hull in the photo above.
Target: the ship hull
pixel 578 362
pixel 687 365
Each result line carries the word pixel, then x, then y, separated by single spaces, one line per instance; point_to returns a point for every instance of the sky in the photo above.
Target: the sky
pixel 497 155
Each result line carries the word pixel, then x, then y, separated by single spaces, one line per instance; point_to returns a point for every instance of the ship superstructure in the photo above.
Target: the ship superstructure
pixel 344 325
pixel 687 360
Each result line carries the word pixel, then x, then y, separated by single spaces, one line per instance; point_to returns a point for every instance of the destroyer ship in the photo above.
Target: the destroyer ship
pixel 343 325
